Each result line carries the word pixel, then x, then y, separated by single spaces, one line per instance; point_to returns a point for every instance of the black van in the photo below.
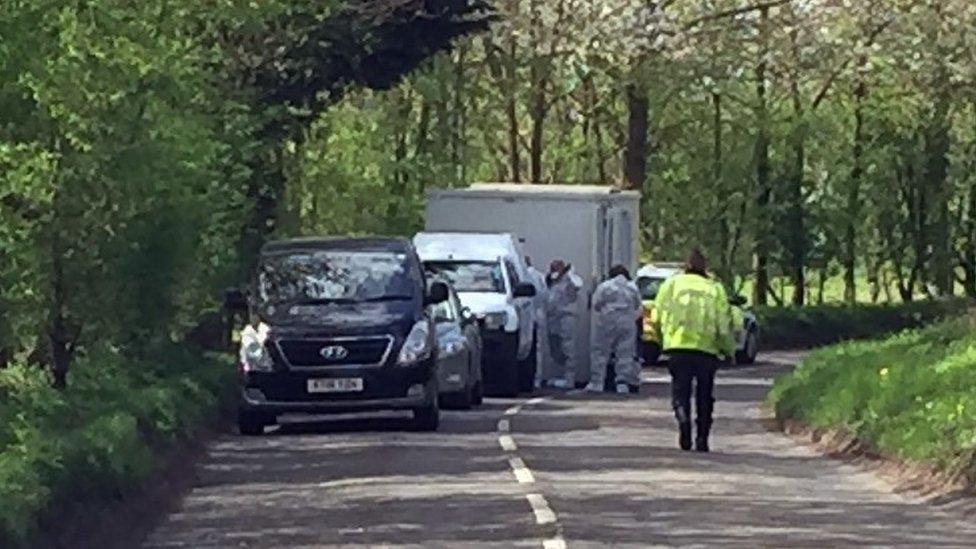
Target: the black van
pixel 337 326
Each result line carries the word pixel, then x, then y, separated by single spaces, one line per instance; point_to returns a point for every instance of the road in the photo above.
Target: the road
pixel 553 471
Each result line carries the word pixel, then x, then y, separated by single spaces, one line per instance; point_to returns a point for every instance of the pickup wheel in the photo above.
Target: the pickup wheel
pixel 510 378
pixel 527 369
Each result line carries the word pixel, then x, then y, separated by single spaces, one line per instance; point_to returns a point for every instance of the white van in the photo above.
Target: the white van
pixel 489 273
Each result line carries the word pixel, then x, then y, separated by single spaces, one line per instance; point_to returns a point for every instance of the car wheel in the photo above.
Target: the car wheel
pixel 477 394
pixel 429 418
pixel 251 423
pixel 651 353
pixel 751 349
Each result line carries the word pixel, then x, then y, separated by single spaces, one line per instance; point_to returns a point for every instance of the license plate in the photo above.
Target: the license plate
pixel 335 385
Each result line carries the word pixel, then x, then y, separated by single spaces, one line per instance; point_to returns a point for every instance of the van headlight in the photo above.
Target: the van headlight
pixel 417 345
pixel 496 321
pixel 254 355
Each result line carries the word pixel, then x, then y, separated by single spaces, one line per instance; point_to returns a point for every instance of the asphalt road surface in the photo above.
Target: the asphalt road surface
pixel 567 470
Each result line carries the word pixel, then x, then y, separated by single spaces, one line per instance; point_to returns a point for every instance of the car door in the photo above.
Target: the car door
pixel 523 307
pixel 472 334
pixel 451 341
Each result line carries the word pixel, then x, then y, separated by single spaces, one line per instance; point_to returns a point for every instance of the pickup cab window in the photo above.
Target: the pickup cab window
pixel 469 276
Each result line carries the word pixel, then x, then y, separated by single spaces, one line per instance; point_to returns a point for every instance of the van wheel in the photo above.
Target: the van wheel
pixel 458 401
pixel 251 423
pixel 429 418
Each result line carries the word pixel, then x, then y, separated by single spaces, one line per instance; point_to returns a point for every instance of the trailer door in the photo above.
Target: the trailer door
pixel 625 257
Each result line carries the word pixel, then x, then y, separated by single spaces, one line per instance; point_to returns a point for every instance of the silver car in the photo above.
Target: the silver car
pixel 458 354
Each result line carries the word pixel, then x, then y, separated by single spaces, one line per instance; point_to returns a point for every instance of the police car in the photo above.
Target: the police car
pixel 649 281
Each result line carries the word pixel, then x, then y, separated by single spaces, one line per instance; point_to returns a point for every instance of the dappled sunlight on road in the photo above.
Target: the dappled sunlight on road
pixel 599 470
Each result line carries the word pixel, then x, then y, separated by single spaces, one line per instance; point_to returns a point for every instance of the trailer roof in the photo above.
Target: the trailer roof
pixel 570 192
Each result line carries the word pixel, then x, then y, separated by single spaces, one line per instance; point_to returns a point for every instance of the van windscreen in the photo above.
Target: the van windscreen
pixel 469 276
pixel 334 276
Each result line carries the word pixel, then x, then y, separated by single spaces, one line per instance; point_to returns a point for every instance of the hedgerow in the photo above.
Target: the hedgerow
pixel 102 437
pixel 813 326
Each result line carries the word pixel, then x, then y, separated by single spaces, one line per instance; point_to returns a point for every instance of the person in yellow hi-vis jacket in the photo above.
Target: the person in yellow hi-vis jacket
pixel 694 320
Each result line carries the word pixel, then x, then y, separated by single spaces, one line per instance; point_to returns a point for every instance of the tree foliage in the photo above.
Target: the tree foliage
pixel 797 140
pixel 142 149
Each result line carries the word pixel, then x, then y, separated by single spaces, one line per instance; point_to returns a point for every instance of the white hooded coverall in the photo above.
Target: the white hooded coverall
pixel 561 307
pixel 617 306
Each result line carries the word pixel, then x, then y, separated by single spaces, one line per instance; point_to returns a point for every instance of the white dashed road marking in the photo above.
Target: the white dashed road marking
pixel 522 473
pixel 544 514
pixel 507 443
pixel 554 543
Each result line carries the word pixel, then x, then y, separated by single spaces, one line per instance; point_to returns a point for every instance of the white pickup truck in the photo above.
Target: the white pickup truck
pixel 488 272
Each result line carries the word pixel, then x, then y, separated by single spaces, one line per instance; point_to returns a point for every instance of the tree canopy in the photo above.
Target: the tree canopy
pixel 141 149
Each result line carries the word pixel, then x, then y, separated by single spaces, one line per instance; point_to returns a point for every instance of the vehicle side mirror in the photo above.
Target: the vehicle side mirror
pixel 235 301
pixel 738 300
pixel 524 289
pixel 438 293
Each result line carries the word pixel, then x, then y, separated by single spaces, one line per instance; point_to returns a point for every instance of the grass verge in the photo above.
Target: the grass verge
pixel 102 436
pixel 911 395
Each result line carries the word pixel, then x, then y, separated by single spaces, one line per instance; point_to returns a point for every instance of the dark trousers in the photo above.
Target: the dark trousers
pixel 687 367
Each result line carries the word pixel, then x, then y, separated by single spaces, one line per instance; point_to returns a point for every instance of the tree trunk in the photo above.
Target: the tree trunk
pixel 635 153
pixel 459 115
pixel 873 282
pixel 937 160
pixel 763 188
pixel 937 151
pixel 511 111
pixel 265 192
pixel 796 222
pixel 821 284
pixel 853 193
pixel 538 126
pixel 725 266
pixel 601 159
pixel 886 286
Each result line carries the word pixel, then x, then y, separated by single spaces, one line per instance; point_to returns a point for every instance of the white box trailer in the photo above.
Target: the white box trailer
pixel 591 227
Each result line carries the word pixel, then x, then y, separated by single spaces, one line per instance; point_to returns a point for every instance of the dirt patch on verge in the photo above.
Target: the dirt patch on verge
pixel 917 481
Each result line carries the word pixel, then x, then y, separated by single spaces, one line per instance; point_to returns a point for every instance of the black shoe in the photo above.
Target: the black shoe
pixel 581 385
pixel 634 389
pixel 701 444
pixel 684 436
